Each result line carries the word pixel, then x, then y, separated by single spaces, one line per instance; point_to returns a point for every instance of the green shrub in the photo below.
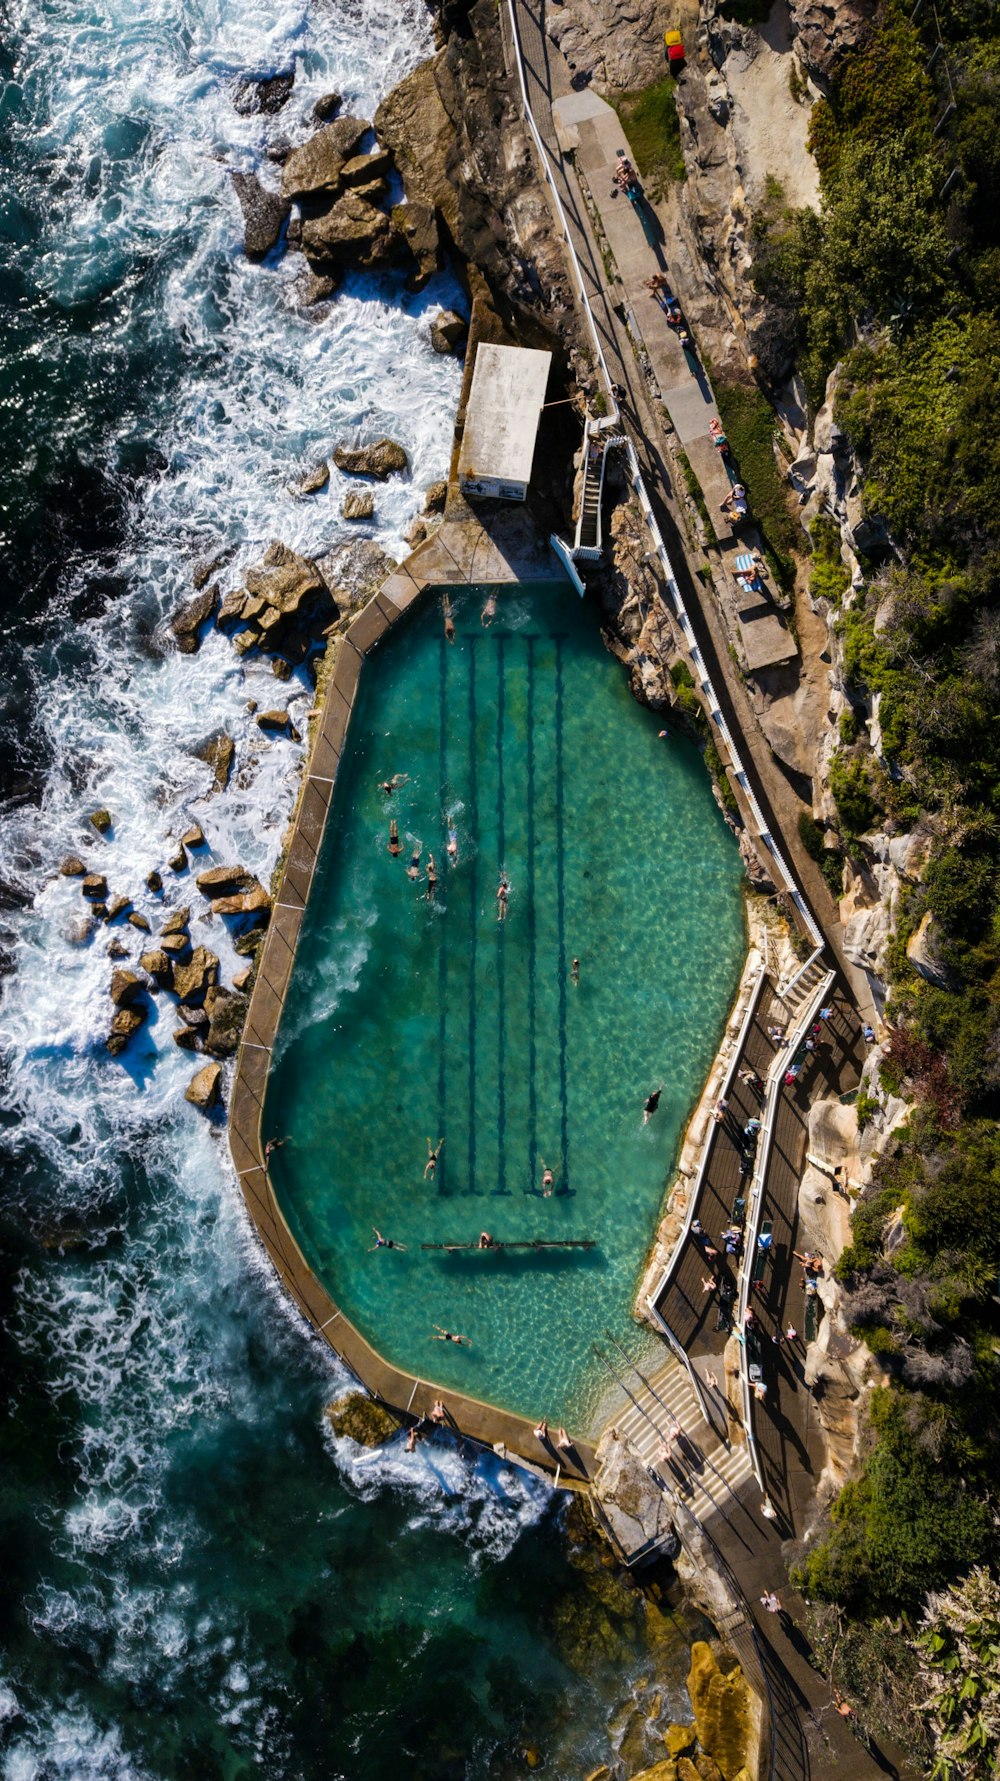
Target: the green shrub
pixel 866 1106
pixel 829 576
pixel 651 123
pixel 852 793
pixel 749 423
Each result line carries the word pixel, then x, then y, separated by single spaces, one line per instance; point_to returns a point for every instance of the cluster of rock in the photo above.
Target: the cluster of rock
pixel 287 605
pixel 211 1016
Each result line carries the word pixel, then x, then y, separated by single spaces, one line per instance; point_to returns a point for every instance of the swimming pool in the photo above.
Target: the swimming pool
pixel 412 1017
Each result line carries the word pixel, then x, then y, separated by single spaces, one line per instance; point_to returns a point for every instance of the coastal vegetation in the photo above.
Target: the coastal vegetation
pixel 652 124
pixel 895 287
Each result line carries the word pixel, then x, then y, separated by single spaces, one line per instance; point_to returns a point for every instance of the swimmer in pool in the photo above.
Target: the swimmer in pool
pixel 502 894
pixel 431 877
pixel 413 869
pixel 650 1105
pixel 452 849
pixel 433 1152
pixel 395 845
pixel 447 1336
pixel 489 612
pixel 574 971
pixel 449 622
pixel 548 1180
pixel 392 785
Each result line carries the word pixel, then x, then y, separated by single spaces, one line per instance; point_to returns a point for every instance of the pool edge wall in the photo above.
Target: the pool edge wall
pixel 432 564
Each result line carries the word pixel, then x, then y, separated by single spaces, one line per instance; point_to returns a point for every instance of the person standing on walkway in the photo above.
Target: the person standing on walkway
pixel 771 1602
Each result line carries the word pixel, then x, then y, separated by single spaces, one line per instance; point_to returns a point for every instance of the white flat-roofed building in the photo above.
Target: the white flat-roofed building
pixel 501 421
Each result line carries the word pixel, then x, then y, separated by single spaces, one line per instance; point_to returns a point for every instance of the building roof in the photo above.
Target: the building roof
pixel 501 421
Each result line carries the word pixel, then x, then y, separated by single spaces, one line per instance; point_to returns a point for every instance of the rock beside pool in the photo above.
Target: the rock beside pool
pixel 203 1089
pixel 636 1508
pixel 267 93
pixel 252 901
pixel 223 881
pixel 722 1710
pixel 72 867
pixel 361 1419
pixel 264 215
pixel 191 981
pixel 379 459
pixel 448 331
pixel 316 166
pixel 217 752
pixel 126 987
pixel 227 1012
pixel 435 498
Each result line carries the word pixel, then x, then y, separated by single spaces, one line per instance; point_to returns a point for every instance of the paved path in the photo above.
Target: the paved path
pixel 810 1740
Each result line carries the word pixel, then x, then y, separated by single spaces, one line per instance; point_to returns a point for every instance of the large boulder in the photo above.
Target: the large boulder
pixel 361 1419
pixel 923 954
pixel 226 1016
pixel 417 226
pixel 316 167
pixel 254 901
pixel 379 459
pixel 188 619
pixel 352 232
pixel 359 504
pixel 160 967
pixel 722 1711
pixel 360 169
pixel 637 1510
pixel 203 1089
pixel 262 93
pixel 448 331
pixel 126 988
pixel 192 980
pixel 222 881
pixel 824 35
pixel 264 215
pixel 72 867
pixel 217 752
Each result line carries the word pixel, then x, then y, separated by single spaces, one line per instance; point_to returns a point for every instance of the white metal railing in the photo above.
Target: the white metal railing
pixel 775 1082
pixel 579 548
pixel 653 1299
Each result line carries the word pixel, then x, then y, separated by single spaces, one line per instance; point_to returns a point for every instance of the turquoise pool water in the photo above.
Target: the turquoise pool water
pixel 413 1018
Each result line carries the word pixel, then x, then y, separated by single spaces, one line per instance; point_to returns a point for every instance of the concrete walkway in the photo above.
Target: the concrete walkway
pixel 590 128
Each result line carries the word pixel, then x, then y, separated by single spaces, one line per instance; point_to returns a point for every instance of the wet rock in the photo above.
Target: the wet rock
pixel 72 867
pixel 188 619
pixel 278 150
pixel 276 722
pixel 380 459
pixel 249 902
pixel 203 1089
pixel 226 1017
pixel 159 966
pixel 116 950
pixel 137 920
pixel 192 1017
pixel 128 1021
pixel 313 480
pixel 191 980
pixel 153 881
pixel 187 1038
pixel 319 287
pixel 353 232
pixel 178 861
pixel 436 497
pixel 99 911
pixel 316 166
pixel 101 820
pixel 217 752
pixel 118 906
pixel 80 932
pixel 194 836
pixel 360 169
pixel 327 107
pixel 359 504
pixel 95 886
pixel 284 588
pixel 175 944
pixel 267 93
pixel 241 979
pixel 361 1419
pixel 177 922
pixel 680 1739
pixel 264 215
pixel 417 226
pixel 354 571
pixel 222 881
pixel 281 669
pixel 249 944
pixel 416 532
pixel 448 331
pixel 126 988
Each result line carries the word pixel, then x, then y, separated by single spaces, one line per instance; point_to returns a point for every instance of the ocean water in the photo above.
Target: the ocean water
pixel 198 1581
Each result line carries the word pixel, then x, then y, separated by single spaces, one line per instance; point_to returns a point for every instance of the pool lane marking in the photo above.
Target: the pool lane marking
pixel 530 888
pixel 561 909
pixel 501 1187
pixel 473 901
pixel 442 925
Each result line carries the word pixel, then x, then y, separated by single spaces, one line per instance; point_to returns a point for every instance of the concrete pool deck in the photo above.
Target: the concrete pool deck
pixel 468 549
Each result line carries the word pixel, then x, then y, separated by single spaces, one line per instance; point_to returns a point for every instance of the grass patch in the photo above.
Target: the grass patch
pixel 651 123
pixel 695 490
pixel 749 422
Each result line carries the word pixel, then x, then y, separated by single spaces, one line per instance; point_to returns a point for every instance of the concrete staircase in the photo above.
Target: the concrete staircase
pixel 803 986
pixel 704 1472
